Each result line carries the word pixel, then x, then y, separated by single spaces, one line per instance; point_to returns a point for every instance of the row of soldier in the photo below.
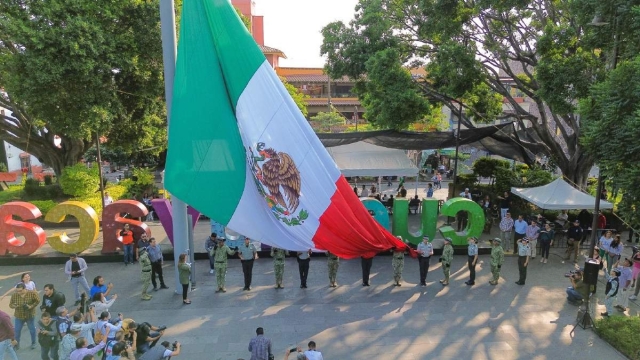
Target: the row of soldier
pixel 218 255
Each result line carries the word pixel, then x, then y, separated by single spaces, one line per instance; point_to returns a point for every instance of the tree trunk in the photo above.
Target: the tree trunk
pixel 576 170
pixel 69 153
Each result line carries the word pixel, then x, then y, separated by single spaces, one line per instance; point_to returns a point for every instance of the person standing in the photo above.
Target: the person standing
pixel 304 258
pixel 333 263
pixel 505 204
pixel 615 251
pixel 145 264
pixel 7 337
pixel 24 303
pixel 365 264
pixel 248 253
pixel 75 269
pixel 220 253
pixel 397 262
pixel 155 255
pixel 585 219
pixel 574 235
pixel 425 250
pixel 611 291
pixel 312 353
pixel 28 284
pixel 260 346
pixel 364 192
pixel 184 273
pixel 447 259
pixel 278 256
pixel 48 337
pixel 497 259
pixel 472 261
pixel 519 231
pixel 523 259
pixel 626 275
pixel 127 244
pixel 546 241
pixel 209 245
pixel 51 299
pixel 429 190
pixel 506 227
pixel 533 231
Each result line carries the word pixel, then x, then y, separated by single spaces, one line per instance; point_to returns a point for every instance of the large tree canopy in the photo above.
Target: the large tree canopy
pixel 474 50
pixel 76 68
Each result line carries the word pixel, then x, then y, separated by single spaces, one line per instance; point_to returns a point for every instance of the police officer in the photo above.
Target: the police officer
pixel 220 253
pixel 278 256
pixel 333 263
pixel 397 262
pixel 145 263
pixel 446 259
pixel 472 261
pixel 425 250
pixel 248 253
pixel 497 258
pixel 524 251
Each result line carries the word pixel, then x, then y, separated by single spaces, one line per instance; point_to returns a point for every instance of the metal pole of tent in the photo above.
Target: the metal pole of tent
pixel 192 255
pixel 169 54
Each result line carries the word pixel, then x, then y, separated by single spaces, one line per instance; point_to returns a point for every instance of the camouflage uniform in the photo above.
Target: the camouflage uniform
pixel 447 258
pixel 146 274
pixel 497 258
pixel 220 263
pixel 397 262
pixel 278 256
pixel 333 263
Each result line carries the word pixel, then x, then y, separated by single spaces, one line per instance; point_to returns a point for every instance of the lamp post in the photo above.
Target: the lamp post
pixel 455 166
pixel 100 168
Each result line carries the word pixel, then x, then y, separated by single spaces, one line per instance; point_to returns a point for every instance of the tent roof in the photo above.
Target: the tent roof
pixel 364 159
pixel 559 195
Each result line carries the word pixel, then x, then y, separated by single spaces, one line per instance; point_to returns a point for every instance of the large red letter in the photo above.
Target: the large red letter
pixel 112 222
pixel 34 236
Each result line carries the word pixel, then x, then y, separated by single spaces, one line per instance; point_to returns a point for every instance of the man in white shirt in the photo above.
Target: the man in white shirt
pixel 312 354
pixel 466 194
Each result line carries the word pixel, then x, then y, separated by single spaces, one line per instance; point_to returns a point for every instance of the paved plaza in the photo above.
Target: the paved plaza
pixel 354 322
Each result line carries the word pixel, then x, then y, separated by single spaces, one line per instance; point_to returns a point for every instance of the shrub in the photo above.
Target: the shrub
pixel 31 187
pixel 116 192
pixel 140 183
pixel 78 180
pixel 3 167
pixel 48 179
pixel 621 332
pixel 44 205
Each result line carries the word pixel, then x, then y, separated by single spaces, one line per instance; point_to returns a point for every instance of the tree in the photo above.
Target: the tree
pixel 327 121
pixel 73 69
pixel 298 96
pixel 468 49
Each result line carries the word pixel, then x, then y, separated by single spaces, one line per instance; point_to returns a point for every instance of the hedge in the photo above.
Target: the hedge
pixel 622 333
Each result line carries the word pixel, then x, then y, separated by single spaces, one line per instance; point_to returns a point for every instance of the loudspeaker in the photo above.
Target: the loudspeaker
pixel 591 269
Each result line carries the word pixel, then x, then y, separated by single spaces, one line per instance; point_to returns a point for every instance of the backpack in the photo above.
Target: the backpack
pixel 64 326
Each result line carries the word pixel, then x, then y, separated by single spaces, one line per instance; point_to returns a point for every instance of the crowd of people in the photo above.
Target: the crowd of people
pixel 82 331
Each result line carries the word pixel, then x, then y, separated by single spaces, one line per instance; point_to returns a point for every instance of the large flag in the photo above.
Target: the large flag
pixel 241 152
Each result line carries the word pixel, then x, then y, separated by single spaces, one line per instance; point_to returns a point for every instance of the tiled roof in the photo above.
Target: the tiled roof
pixel 334 101
pixel 315 79
pixel 270 50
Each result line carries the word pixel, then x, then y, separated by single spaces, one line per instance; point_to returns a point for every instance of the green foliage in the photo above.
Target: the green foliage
pixel 116 192
pixel 31 187
pixel 621 333
pixel 44 205
pixel 245 20
pixel 48 180
pixel 467 181
pixel 326 121
pixel 109 81
pixel 141 182
pixel 298 96
pixel 3 167
pixel 487 167
pixel 79 180
pixel 12 194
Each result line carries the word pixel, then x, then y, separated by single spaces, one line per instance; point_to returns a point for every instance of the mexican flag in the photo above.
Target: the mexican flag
pixel 241 152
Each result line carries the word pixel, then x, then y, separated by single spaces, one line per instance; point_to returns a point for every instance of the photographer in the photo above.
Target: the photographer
pixel 578 291
pixel 160 352
pixel 121 351
pixel 299 356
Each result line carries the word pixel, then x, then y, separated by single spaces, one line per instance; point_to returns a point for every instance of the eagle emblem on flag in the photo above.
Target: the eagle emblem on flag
pixel 278 180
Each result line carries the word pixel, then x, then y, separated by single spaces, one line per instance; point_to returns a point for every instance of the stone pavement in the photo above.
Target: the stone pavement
pixel 354 322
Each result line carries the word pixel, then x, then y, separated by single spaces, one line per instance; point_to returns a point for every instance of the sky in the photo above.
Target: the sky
pixel 293 26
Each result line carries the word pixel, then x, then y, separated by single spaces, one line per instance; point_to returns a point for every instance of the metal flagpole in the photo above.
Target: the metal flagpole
pixel 169 54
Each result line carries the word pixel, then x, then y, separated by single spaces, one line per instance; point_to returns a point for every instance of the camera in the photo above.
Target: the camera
pixel 26 307
pixel 293 350
pixel 174 345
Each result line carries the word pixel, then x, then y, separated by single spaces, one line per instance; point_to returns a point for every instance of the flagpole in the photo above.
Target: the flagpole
pixel 169 54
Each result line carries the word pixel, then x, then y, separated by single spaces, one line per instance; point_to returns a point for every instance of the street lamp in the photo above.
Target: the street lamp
pixel 455 167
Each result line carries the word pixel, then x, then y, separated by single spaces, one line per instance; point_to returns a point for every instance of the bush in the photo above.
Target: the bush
pixel 621 332
pixel 44 205
pixel 78 180
pixel 31 187
pixel 141 182
pixel 48 179
pixel 116 192
pixel 3 167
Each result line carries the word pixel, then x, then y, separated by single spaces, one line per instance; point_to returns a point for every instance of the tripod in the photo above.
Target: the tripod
pixel 585 320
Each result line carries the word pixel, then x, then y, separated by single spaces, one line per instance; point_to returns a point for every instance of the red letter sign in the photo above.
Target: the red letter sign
pixel 34 236
pixel 112 223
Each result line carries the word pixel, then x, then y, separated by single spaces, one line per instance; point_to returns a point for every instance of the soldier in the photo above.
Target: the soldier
pixel 523 259
pixel 398 264
pixel 447 258
pixel 333 263
pixel 497 258
pixel 145 262
pixel 278 256
pixel 220 253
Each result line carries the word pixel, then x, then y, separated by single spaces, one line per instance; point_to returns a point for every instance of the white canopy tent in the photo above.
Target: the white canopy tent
pixel 364 159
pixel 559 195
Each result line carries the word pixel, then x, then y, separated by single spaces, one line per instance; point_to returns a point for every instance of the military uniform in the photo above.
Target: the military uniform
pixel 278 256
pixel 447 258
pixel 398 265
pixel 333 263
pixel 497 259
pixel 220 264
pixel 145 262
